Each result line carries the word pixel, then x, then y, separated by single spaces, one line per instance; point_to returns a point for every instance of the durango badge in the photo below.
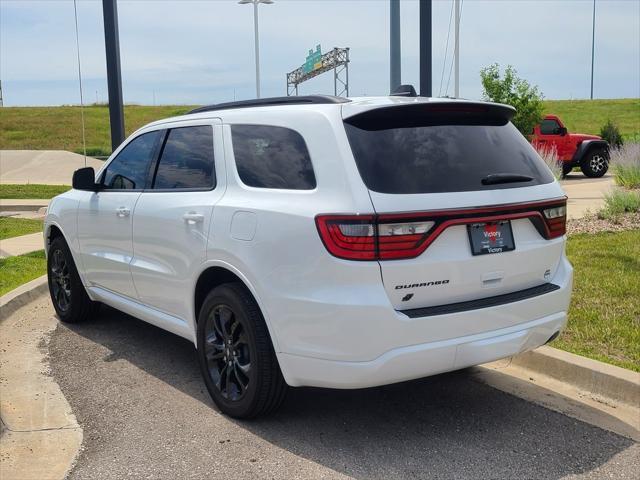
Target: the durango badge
pixel 426 284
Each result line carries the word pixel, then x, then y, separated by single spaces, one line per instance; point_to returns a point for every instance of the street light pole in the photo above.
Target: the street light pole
pixel 256 36
pixel 593 43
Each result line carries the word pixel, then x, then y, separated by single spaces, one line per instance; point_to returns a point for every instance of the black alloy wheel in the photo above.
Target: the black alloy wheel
pixel 236 356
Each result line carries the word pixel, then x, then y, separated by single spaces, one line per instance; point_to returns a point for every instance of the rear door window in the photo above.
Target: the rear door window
pixel 272 157
pixel 414 150
pixel 186 161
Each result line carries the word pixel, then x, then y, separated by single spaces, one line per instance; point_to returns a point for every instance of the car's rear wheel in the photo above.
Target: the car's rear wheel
pixel 566 168
pixel 68 295
pixel 595 164
pixel 236 355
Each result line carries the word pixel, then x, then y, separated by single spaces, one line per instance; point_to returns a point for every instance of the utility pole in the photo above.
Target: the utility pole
pixel 593 43
pixel 394 45
pixel 114 77
pixel 456 50
pixel 425 48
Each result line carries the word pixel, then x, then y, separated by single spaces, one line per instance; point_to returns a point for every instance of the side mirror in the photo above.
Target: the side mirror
pixel 562 131
pixel 85 179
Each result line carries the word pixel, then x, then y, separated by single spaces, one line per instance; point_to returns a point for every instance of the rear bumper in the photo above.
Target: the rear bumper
pixel 416 361
pixel 485 335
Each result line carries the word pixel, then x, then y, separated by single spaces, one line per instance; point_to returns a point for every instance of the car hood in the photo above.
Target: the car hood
pixel 584 136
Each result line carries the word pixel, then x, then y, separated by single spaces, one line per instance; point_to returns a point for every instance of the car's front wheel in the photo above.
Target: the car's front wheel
pixel 236 355
pixel 68 295
pixel 595 164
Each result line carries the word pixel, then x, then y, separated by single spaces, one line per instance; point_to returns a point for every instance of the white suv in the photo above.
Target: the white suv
pixel 321 241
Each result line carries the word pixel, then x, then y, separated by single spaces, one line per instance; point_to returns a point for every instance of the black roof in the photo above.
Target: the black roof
pixel 267 102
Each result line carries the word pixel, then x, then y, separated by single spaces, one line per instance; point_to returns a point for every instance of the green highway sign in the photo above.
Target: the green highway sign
pixel 313 60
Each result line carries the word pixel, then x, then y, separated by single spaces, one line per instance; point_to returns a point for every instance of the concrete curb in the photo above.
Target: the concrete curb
pixel 41 437
pixel 22 295
pixel 595 377
pixel 19 205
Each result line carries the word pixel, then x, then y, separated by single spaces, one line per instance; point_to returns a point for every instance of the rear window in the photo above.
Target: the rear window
pixel 414 150
pixel 272 157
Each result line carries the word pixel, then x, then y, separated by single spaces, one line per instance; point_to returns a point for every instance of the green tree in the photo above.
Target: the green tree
pixel 515 91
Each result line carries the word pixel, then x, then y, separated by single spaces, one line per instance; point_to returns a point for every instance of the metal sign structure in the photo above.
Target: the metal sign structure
pixel 317 63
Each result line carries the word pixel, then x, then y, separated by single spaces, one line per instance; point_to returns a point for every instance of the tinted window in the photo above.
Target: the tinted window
pixel 549 127
pixel 272 157
pixel 130 168
pixel 400 152
pixel 187 159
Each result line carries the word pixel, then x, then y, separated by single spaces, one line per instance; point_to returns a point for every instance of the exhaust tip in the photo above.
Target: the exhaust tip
pixel 552 337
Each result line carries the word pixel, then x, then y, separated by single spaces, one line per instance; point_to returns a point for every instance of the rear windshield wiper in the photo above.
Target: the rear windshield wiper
pixel 496 178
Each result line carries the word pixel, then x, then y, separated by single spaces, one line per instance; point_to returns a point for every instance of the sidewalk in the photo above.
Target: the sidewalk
pixel 585 194
pixel 20 245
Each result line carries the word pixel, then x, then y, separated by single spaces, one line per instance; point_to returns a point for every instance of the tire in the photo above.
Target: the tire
pixel 68 295
pixel 566 169
pixel 236 356
pixel 596 163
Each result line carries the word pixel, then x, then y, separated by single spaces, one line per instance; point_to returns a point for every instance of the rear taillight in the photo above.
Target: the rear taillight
pixel 370 237
pixel 401 236
pixel 348 236
pixel 556 220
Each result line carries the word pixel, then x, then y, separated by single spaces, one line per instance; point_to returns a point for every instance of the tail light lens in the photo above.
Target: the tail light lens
pixel 369 237
pixel 402 240
pixel 401 236
pixel 556 220
pixel 348 236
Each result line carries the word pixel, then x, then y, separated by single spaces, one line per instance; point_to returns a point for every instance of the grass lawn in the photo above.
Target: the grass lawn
pixel 33 190
pixel 14 227
pixel 588 116
pixel 15 271
pixel 59 128
pixel 604 318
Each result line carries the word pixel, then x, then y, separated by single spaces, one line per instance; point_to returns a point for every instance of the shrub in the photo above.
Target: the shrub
pixel 516 92
pixel 611 133
pixel 550 157
pixel 620 201
pixel 625 161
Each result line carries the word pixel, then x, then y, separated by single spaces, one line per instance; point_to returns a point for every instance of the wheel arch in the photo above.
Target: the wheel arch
pixel 217 274
pixel 52 231
pixel 586 146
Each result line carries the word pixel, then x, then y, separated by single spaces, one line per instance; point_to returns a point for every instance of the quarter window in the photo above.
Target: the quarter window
pixel 272 157
pixel 130 169
pixel 187 159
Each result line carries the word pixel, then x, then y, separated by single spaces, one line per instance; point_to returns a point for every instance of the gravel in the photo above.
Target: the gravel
pixel 592 224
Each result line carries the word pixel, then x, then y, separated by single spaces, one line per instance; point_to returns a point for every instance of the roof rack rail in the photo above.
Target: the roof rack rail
pixel 267 102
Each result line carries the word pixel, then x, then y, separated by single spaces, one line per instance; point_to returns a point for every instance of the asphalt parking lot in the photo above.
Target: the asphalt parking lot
pixel 136 391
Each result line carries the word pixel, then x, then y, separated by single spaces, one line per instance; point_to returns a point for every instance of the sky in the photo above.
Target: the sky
pixel 196 52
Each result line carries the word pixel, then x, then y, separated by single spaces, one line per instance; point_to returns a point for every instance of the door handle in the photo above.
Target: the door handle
pixel 123 212
pixel 192 218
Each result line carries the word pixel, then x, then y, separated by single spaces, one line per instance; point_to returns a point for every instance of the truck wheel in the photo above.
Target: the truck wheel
pixel 566 169
pixel 236 356
pixel 595 164
pixel 68 295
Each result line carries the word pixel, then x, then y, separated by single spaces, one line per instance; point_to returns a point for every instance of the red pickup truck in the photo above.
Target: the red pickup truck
pixel 589 152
